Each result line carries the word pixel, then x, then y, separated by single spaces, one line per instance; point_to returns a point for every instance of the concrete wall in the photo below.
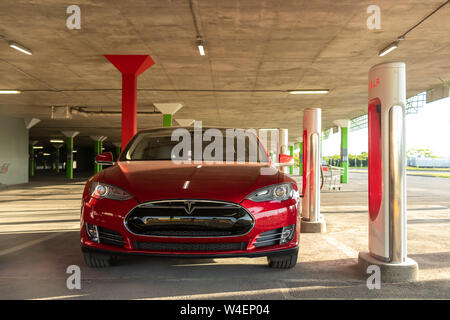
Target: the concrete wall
pixel 13 151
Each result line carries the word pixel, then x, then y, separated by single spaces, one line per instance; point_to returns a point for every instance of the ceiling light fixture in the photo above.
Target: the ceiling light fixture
pixel 201 46
pixel 323 91
pixel 56 141
pixel 20 47
pixel 10 91
pixel 394 45
pixel 38 147
pixel 389 48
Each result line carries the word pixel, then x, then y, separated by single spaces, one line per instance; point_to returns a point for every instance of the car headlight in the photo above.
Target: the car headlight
pixel 99 190
pixel 281 192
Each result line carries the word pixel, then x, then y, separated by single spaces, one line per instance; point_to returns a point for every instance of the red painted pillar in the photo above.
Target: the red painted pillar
pixel 129 107
pixel 131 66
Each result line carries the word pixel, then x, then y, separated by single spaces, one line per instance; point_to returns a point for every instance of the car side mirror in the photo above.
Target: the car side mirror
pixel 105 158
pixel 285 160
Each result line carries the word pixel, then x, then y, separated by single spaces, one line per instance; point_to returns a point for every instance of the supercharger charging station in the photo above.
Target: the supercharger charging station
pixel 312 220
pixel 387 175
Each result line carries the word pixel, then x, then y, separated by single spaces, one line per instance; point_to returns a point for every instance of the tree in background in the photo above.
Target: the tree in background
pixel 352 160
pixel 362 159
pixel 421 153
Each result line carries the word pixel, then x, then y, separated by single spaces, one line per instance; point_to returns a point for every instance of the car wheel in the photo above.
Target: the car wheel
pixel 98 260
pixel 283 262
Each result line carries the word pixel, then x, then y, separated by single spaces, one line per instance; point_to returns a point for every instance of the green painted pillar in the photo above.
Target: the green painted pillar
pixel 31 160
pixel 117 152
pixel 167 120
pixel 69 163
pixel 291 153
pixel 97 150
pixel 344 154
pixel 301 158
pixel 344 124
pixel 168 110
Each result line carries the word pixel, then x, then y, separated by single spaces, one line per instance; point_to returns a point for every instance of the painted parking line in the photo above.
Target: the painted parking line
pixel 29 244
pixel 60 297
pixel 349 252
pixel 285 292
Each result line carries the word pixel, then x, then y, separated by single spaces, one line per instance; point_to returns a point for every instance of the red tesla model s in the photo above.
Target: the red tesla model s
pixel 183 192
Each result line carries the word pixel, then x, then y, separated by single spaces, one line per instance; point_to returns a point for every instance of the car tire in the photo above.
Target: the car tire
pixel 98 260
pixel 283 262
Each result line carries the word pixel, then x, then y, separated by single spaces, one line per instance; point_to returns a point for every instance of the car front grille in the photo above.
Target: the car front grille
pixel 189 218
pixel 269 238
pixel 177 246
pixel 110 237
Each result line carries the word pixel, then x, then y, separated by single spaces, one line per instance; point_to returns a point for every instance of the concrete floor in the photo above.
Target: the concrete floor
pixel 39 240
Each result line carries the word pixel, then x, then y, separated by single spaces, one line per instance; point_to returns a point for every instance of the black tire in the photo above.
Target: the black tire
pixel 283 262
pixel 98 260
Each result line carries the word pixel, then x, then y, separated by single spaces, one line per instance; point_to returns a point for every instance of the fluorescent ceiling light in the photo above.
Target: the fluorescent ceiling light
pixel 309 91
pixel 201 49
pixel 389 48
pixel 46 154
pixel 20 48
pixel 10 91
pixel 56 141
pixel 38 147
pixel 74 151
pixel 200 46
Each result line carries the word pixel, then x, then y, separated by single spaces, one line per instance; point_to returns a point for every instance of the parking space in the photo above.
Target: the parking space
pixel 39 239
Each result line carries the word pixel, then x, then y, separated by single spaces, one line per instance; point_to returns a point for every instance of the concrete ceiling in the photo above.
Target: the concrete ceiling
pixel 256 50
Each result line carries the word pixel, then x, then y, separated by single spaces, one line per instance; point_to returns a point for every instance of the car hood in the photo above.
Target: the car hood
pixel 158 180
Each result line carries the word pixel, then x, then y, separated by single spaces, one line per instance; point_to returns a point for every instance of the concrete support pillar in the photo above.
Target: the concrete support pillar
pixel 69 148
pixel 29 123
pixel 168 110
pixel 344 124
pixel 185 122
pixel 98 147
pixel 131 66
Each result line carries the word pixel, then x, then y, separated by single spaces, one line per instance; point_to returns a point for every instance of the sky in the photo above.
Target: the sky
pixel 428 129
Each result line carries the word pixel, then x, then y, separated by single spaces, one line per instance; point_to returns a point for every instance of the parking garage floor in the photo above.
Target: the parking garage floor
pixel 39 239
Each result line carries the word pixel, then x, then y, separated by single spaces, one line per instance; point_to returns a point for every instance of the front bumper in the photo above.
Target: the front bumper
pixel 270 216
pixel 271 253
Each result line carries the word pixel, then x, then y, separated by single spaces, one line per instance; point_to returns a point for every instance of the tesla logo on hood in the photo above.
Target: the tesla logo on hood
pixel 188 206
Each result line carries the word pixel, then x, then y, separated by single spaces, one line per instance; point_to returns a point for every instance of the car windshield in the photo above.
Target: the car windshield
pixel 185 144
